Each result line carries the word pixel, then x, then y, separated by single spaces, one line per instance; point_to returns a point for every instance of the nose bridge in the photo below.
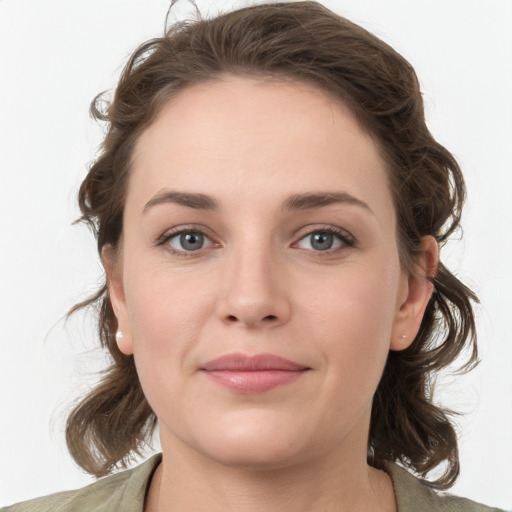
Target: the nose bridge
pixel 253 291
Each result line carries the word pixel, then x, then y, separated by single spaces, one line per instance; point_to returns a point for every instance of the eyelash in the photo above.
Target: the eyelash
pixel 346 239
pixel 169 235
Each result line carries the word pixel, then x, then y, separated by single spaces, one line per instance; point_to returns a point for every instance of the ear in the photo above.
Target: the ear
pixel 416 292
pixel 114 273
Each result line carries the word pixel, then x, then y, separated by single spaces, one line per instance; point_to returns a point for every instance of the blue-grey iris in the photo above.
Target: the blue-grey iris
pixel 322 241
pixel 191 241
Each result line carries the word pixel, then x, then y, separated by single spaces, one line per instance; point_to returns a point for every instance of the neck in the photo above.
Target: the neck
pixel 186 480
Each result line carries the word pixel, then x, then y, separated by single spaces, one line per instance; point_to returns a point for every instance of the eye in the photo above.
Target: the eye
pixel 325 240
pixel 187 241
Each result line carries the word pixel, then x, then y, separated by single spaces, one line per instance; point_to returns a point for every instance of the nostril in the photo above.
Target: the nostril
pixel 268 318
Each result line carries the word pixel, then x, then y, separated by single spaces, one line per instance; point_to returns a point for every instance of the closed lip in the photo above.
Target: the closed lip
pixel 237 362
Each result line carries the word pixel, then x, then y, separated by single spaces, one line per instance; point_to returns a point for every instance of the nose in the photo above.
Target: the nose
pixel 254 291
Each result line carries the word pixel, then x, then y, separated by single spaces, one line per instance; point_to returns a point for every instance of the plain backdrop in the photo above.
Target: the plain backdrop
pixel 56 55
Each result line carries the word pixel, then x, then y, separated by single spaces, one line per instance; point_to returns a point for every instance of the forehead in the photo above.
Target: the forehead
pixel 238 134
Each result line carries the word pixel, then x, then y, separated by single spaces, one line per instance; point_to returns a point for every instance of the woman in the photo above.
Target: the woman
pixel 269 206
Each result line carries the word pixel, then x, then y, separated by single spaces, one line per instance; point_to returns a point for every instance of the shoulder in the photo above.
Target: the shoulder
pixel 122 491
pixel 413 495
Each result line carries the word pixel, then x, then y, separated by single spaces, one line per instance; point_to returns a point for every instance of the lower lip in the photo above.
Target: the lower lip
pixel 254 381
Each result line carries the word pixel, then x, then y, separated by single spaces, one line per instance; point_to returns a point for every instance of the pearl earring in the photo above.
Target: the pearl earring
pixel 403 336
pixel 119 335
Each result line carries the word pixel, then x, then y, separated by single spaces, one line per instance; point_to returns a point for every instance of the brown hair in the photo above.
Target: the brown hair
pixel 301 41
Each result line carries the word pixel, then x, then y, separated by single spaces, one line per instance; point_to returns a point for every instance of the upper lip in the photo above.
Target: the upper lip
pixel 251 363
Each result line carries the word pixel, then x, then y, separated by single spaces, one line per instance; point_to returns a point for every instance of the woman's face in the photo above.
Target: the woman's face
pixel 259 222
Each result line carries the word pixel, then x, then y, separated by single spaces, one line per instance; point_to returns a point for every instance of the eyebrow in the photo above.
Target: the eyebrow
pixel 191 200
pixel 310 200
pixel 305 201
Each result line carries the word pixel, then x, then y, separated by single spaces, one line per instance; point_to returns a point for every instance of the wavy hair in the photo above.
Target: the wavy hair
pixel 304 42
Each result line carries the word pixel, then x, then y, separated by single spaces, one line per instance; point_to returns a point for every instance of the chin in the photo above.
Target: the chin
pixel 253 445
pixel 254 454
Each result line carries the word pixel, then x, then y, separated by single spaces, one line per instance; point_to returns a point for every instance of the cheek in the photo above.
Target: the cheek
pixel 362 299
pixel 167 313
pixel 166 318
pixel 353 322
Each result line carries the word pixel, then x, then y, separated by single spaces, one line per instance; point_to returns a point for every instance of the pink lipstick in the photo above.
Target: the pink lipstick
pixel 252 374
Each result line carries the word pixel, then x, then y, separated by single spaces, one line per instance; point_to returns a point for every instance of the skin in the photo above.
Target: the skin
pixel 260 284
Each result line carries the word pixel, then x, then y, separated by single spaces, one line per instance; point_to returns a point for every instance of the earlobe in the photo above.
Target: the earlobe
pixel 418 291
pixel 113 272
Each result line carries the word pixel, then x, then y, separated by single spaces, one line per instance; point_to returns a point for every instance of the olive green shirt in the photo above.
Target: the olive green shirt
pixel 126 491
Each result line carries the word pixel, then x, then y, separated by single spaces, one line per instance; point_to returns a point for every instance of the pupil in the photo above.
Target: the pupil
pixel 322 241
pixel 191 241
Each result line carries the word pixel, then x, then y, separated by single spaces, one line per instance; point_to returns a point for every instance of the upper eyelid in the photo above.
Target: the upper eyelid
pixel 203 230
pixel 178 230
pixel 174 232
pixel 345 236
pixel 342 233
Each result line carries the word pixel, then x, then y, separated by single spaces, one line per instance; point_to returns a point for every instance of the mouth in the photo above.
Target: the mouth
pixel 252 374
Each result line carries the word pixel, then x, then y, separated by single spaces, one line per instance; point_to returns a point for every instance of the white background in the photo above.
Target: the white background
pixel 56 55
